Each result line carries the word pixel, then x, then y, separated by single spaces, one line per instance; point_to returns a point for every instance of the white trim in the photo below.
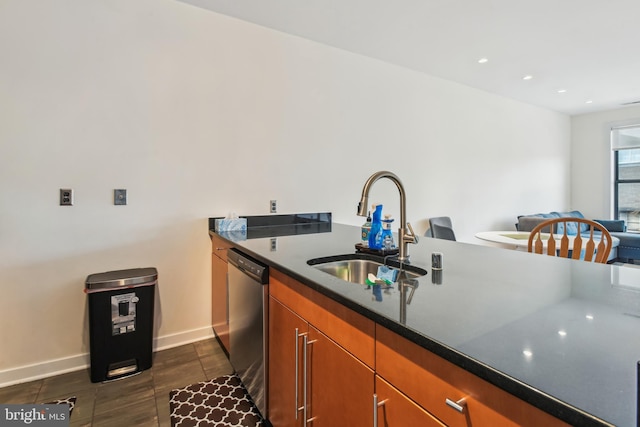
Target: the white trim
pixel 181 338
pixel 625 136
pixel 49 368
pixel 44 369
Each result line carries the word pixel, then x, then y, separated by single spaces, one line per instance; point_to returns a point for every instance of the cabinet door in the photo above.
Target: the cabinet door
pixel 397 410
pixel 352 331
pixel 219 246
pixel 340 387
pixel 285 371
pixel 219 300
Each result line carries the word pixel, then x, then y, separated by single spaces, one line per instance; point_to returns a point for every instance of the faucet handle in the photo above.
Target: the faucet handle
pixel 411 234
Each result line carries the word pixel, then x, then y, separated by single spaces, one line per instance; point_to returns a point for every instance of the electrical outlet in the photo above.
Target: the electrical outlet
pixel 274 244
pixel 66 197
pixel 120 197
pixel 273 207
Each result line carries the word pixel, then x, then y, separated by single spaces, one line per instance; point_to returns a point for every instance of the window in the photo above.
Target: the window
pixel 626 145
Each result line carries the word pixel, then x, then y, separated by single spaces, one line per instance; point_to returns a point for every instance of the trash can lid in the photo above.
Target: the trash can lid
pixel 118 278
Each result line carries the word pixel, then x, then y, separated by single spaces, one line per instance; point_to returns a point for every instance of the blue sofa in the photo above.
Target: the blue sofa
pixel 628 248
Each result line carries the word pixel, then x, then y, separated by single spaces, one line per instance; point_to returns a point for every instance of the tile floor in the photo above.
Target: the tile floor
pixel 140 400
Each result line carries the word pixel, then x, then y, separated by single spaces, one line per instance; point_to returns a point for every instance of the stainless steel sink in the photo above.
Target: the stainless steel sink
pixel 355 268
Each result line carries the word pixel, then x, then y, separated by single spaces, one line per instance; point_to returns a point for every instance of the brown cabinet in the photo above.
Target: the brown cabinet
pixel 313 377
pixel 285 364
pixel 453 395
pixel 219 290
pixel 326 361
pixel 340 387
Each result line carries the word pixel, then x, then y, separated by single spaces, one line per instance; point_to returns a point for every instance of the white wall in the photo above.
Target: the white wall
pixel 198 114
pixel 591 164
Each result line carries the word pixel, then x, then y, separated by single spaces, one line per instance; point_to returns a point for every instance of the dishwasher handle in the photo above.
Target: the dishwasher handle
pixel 248 266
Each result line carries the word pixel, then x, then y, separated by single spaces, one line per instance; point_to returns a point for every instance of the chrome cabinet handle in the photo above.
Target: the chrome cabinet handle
pixel 306 343
pixel 297 351
pixel 459 406
pixel 296 376
pixel 376 405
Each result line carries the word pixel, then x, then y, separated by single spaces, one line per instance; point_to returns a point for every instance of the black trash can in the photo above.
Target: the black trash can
pixel 121 322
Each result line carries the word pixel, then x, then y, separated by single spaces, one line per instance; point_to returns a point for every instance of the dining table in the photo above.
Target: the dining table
pixel 519 240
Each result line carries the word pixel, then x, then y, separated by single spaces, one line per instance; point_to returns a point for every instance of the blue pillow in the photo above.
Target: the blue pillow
pixel 572 227
pixel 612 225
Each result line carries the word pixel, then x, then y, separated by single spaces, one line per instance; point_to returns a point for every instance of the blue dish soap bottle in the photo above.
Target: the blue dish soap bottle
pixel 375 235
pixel 387 235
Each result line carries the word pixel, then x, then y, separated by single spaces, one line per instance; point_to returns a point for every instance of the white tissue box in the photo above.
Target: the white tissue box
pixel 231 224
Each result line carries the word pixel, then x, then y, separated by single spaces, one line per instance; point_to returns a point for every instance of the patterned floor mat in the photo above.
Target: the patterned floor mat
pixel 71 401
pixel 221 402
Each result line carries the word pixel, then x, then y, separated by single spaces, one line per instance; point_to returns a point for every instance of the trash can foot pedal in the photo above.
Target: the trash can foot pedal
pixel 121 369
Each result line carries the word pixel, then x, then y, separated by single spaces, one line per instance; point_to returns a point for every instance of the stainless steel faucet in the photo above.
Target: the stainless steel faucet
pixel 405 232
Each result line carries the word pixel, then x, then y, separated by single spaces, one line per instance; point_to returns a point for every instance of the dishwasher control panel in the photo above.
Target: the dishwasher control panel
pixel 248 265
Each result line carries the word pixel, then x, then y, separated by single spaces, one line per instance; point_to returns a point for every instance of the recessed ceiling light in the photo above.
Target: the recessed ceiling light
pixel 589 102
pixel 527 77
pixel 562 90
pixel 562 333
pixel 527 353
pixel 483 61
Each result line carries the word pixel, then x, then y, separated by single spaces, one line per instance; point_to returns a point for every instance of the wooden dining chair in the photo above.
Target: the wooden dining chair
pixel 587 245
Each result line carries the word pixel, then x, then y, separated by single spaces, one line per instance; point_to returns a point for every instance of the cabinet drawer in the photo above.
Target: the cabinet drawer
pixel 219 247
pixel 352 331
pixel 397 410
pixel 430 380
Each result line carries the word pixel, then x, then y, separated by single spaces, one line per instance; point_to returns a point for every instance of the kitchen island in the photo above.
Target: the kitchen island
pixel 562 335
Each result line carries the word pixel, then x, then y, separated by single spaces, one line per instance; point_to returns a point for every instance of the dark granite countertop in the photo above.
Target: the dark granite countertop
pixel 560 334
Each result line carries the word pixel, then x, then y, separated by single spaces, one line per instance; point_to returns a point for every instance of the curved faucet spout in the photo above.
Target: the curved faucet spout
pixel 364 200
pixel 405 232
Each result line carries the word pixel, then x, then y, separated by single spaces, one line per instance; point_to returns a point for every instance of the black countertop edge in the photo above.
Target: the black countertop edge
pixel 274 220
pixel 534 397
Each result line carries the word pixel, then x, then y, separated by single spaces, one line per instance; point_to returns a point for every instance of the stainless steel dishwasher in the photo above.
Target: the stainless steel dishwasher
pixel 248 293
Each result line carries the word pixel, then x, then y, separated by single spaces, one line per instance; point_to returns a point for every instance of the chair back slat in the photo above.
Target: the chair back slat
pixel 576 250
pixel 551 244
pixel 595 248
pixel 590 249
pixel 601 248
pixel 564 245
pixel 538 244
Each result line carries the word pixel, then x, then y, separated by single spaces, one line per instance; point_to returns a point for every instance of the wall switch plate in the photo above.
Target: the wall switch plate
pixel 66 197
pixel 273 206
pixel 120 197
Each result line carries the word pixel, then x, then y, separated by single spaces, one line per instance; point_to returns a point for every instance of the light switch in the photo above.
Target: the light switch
pixel 120 197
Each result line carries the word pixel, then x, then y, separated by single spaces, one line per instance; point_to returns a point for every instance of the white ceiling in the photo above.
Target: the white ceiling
pixel 590 48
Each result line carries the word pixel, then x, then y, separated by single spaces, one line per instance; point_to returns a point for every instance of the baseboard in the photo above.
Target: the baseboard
pixel 181 338
pixel 77 362
pixel 44 369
